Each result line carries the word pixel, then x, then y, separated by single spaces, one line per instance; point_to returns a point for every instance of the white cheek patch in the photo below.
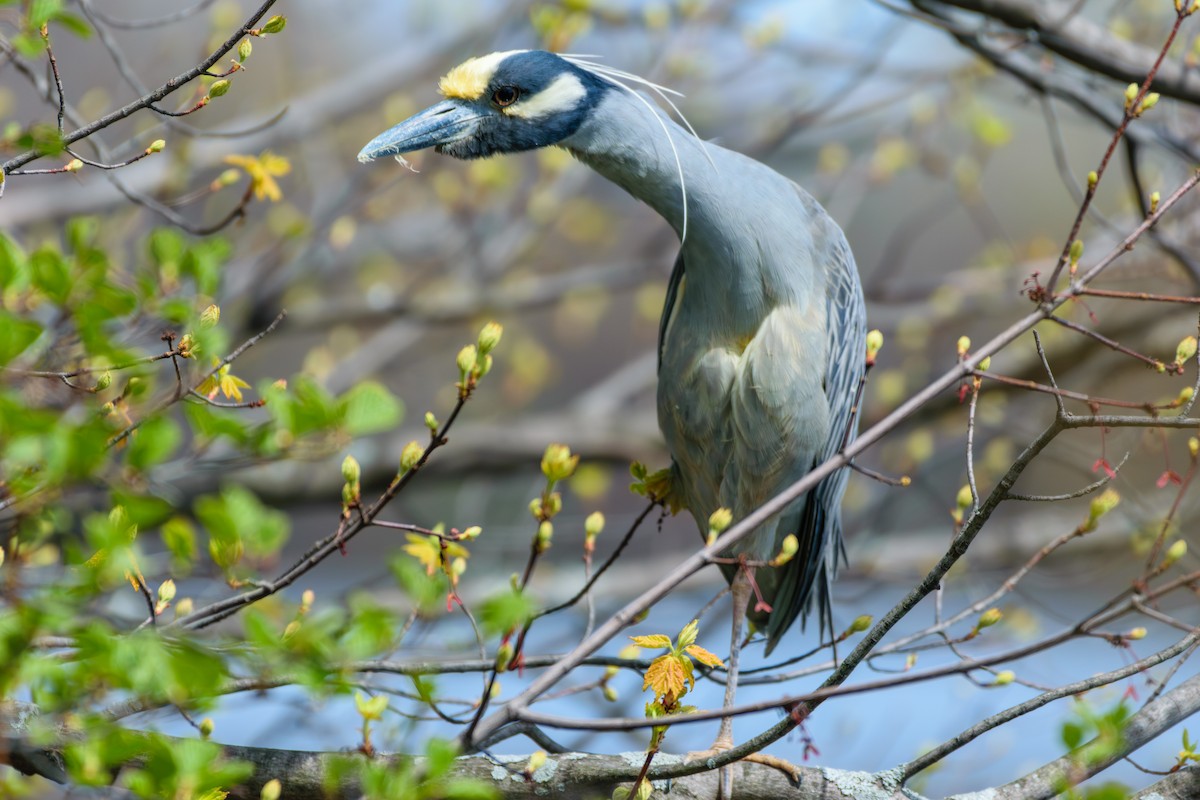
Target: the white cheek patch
pixel 563 94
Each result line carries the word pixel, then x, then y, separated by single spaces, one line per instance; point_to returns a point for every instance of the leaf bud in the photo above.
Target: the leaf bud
pixel 275 24
pixel 206 727
pixel 1149 101
pixel 370 707
pixel 483 365
pixel 74 165
pixel 410 456
pixel 166 592
pixel 489 337
pixel 553 504
pixel 964 345
pixel 210 316
pixel 1092 179
pixel 860 623
pixel 466 360
pixel 504 656
pixel 103 382
pixel 1175 552
pixel 1004 678
pixel 535 508
pixel 787 550
pixel 984 364
pixel 1194 446
pixel 1130 93
pixel 719 520
pixel 874 345
pixel 184 607
pixel 1186 350
pixel 687 636
pixel 593 525
pixel 1136 633
pixel 431 421
pixel 471 533
pixel 545 533
pixel 244 49
pixel 306 600
pixel 271 790
pixel 1076 251
pixel 610 694
pixel 965 499
pixel 157 146
pixel 536 762
pixel 989 618
pixel 558 463
pixel 1185 394
pixel 1103 504
pixel 1155 199
pixel 351 471
pixel 219 88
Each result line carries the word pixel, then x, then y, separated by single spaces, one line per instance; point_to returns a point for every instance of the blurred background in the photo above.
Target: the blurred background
pixel 954 182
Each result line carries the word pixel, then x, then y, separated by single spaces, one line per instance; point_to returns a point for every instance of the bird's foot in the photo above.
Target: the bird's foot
pixel 725 781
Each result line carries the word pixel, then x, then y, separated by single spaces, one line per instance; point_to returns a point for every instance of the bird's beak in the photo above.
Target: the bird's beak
pixel 443 123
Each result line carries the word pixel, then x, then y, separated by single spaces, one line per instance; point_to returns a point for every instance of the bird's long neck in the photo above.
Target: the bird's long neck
pixel 631 145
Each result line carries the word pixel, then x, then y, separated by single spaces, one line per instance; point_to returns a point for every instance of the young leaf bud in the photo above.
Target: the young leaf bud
pixel 1130 93
pixel 431 421
pixel 504 656
pixel 1149 102
pixel 985 364
pixel 166 591
pixel 1092 179
pixel 210 316
pixel 471 533
pixel 1106 502
pixel 351 471
pixel 536 762
pixel 1155 199
pixel 544 534
pixel 719 520
pixel 1186 350
pixel 306 600
pixel 687 636
pixel 874 345
pixel 156 146
pixel 1194 446
pixel 182 609
pixel 489 337
pixel 558 463
pixel 104 381
pixel 553 504
pixel 1185 394
pixel 244 49
pixel 860 623
pixel 963 345
pixel 989 618
pixel 787 550
pixel 410 456
pixel 1176 551
pixel 74 165
pixel 1136 634
pixel 964 498
pixel 275 24
pixel 1076 251
pixel 206 727
pixel 593 525
pixel 219 88
pixel 466 360
pixel 610 694
pixel 535 507
pixel 1004 678
pixel 483 365
pixel 271 790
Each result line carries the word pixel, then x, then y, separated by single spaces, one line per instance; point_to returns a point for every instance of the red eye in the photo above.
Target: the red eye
pixel 506 96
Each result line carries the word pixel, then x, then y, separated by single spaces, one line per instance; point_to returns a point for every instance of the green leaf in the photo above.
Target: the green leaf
pixel 1072 735
pixel 503 612
pixel 50 274
pixel 12 260
pixel 369 408
pixel 40 12
pixel 153 442
pixel 180 538
pixel 74 23
pixel 15 336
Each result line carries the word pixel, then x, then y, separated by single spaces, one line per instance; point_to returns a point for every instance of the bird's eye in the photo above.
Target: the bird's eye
pixel 506 96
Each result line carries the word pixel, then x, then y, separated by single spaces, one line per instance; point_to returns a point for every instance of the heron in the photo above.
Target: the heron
pixel 762 337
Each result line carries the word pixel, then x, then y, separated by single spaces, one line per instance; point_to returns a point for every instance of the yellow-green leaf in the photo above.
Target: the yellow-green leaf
pixel 703 656
pixel 665 676
pixel 653 641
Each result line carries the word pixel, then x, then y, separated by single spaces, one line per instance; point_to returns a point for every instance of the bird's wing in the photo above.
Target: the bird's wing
pixel 818 525
pixel 674 284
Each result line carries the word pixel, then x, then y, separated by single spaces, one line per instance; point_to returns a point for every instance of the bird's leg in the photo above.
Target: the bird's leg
pixel 741 590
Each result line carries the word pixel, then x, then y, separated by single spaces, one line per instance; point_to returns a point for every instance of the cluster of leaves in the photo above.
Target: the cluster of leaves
pixel 672 674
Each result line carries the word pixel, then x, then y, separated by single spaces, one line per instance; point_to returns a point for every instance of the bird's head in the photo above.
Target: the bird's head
pixel 500 103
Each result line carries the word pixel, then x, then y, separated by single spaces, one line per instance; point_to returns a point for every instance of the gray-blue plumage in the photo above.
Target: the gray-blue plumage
pixel 762 341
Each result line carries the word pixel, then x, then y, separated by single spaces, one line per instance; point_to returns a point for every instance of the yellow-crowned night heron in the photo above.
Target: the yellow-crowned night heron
pixel 761 344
